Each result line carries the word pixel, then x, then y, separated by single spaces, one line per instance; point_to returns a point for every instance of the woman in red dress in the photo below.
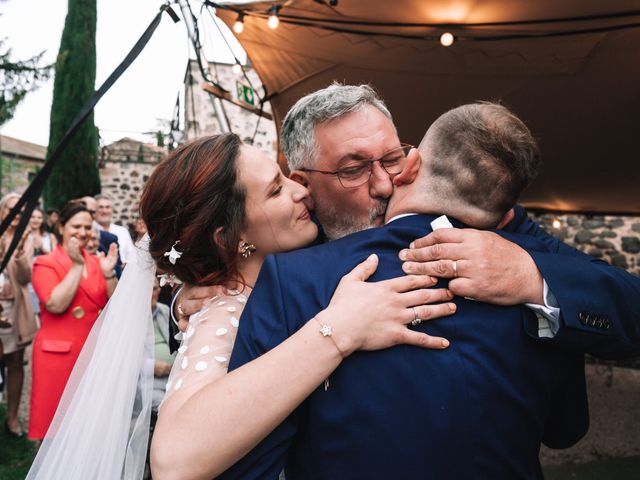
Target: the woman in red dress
pixel 72 287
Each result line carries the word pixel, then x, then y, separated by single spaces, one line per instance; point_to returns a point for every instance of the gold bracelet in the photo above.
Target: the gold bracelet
pixel 327 331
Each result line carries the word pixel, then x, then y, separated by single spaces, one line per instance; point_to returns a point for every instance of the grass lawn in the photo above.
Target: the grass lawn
pixel 16 454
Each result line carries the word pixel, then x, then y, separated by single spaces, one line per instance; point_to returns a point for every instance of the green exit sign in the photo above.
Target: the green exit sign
pixel 245 94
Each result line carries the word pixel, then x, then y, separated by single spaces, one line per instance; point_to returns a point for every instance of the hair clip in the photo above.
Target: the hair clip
pixel 168 279
pixel 173 254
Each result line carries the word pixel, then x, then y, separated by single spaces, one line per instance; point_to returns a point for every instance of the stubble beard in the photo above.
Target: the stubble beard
pixel 337 224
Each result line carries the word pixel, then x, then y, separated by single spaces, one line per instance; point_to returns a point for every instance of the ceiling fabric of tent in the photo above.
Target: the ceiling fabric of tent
pixel 578 92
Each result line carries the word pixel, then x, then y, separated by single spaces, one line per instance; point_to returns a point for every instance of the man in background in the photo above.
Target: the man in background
pixel 104 217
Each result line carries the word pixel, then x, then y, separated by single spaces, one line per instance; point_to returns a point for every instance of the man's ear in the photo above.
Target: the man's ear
pixel 303 179
pixel 506 218
pixel 410 170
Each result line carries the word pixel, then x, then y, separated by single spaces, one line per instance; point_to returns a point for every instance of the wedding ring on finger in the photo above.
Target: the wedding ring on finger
pixel 455 269
pixel 180 311
pixel 416 320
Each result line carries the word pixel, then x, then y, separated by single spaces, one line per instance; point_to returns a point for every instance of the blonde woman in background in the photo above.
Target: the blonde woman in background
pixel 18 312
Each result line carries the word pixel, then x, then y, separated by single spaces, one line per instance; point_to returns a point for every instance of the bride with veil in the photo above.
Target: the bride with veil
pixel 214 209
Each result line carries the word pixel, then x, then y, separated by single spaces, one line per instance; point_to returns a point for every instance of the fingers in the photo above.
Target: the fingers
pixel 183 324
pixel 190 306
pixel 365 269
pixel 431 312
pixel 436 268
pixel 444 235
pixel 438 251
pixel 408 283
pixel 419 339
pixel 424 296
pixel 467 288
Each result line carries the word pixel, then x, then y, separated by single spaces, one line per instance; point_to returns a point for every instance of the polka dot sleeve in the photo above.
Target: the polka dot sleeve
pixel 206 346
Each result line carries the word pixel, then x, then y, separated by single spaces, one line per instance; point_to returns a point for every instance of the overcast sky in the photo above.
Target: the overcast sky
pixel 146 91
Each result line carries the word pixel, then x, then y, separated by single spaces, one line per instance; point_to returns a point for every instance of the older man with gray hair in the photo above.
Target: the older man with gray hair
pixel 104 217
pixel 341 144
pixel 479 409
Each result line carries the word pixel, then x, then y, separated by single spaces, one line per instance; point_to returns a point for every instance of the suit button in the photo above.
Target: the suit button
pixel 583 318
pixel 591 321
pixel 607 324
pixel 599 322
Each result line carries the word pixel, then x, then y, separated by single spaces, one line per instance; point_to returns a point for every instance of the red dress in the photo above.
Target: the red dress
pixel 61 336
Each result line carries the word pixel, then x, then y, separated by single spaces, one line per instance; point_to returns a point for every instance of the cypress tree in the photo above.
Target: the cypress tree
pixel 76 173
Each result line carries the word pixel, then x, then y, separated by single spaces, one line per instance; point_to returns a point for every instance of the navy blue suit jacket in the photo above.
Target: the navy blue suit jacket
pixel 476 410
pixel 106 239
pixel 598 302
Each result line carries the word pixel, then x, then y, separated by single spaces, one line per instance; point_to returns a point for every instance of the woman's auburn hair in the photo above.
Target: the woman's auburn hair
pixel 194 203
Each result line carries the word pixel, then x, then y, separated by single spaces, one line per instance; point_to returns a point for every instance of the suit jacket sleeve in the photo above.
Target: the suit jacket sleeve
pixel 597 301
pixel 264 325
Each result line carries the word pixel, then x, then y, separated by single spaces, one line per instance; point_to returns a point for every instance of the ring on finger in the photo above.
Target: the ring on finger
pixel 180 311
pixel 455 269
pixel 416 320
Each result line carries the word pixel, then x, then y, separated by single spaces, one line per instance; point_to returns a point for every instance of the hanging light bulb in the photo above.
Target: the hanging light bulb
pixel 237 69
pixel 273 21
pixel 446 39
pixel 238 27
pixel 556 223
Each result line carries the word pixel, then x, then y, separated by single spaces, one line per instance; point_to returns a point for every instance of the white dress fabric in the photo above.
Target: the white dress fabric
pixel 101 427
pixel 203 356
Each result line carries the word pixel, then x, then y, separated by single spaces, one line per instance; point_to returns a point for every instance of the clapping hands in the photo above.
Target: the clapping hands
pixel 108 261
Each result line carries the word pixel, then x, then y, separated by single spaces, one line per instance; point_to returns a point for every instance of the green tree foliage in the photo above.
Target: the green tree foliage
pixel 17 78
pixel 76 173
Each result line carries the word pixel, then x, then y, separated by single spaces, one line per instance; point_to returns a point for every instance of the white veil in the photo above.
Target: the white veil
pixel 100 430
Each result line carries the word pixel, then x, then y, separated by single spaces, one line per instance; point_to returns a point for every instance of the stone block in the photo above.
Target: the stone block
pixel 601 243
pixel 636 227
pixel 631 244
pixel 619 260
pixel 615 223
pixel 592 223
pixel 595 252
pixel 584 236
pixel 608 234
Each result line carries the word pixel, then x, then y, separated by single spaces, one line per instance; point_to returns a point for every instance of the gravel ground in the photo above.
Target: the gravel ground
pixel 614 404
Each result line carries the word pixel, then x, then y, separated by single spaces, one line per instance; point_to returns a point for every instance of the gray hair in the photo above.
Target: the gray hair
pixel 480 154
pixel 297 137
pixel 103 196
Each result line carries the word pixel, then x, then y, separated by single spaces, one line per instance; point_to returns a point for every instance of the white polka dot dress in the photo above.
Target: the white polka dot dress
pixel 206 346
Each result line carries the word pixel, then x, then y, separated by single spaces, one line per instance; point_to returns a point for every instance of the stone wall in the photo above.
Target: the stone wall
pixel 613 238
pixel 125 166
pixel 123 182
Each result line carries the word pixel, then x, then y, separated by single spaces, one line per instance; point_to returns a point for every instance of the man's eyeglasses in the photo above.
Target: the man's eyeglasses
pixel 358 172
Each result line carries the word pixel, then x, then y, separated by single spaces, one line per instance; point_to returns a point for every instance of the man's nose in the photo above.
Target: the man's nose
pixel 380 185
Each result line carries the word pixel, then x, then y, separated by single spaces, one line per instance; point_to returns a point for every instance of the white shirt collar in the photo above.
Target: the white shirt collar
pixel 398 217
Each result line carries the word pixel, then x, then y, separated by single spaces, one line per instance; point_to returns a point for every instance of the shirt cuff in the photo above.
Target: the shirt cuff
pixel 548 314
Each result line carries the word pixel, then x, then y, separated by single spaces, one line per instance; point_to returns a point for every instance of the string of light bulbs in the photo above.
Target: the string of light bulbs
pixel 445 35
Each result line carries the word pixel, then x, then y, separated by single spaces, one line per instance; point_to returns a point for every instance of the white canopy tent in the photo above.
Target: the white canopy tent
pixel 570 69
